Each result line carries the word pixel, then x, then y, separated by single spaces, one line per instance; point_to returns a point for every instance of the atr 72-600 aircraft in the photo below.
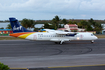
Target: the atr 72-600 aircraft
pixel 50 35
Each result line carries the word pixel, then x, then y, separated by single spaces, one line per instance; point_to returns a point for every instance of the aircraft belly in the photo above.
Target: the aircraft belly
pixel 59 39
pixel 88 38
pixel 72 38
pixel 43 39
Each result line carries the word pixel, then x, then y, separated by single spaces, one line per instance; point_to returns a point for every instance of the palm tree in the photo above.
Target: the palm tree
pixel 8 26
pixel 27 23
pixel 64 21
pixel 56 22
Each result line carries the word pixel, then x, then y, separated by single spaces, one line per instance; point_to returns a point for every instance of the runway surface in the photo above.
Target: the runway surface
pixel 36 54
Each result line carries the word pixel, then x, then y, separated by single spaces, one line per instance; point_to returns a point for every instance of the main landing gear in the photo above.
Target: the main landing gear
pixel 61 42
pixel 92 41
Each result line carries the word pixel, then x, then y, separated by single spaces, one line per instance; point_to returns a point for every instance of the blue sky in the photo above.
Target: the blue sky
pixel 48 9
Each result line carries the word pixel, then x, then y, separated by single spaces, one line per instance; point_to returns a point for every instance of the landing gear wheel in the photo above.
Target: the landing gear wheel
pixel 56 42
pixel 59 42
pixel 92 41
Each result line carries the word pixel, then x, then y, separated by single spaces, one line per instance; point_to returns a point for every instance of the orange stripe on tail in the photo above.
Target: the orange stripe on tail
pixel 19 34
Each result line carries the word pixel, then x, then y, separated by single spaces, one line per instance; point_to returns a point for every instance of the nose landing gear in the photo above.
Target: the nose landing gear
pixel 92 41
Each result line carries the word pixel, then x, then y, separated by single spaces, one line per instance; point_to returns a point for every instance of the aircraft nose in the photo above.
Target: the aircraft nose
pixel 96 37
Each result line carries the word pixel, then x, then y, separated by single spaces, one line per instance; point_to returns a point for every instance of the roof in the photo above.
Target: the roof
pixel 73 29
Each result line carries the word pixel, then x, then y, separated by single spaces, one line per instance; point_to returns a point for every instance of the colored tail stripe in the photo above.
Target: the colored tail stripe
pixel 25 35
pixel 19 34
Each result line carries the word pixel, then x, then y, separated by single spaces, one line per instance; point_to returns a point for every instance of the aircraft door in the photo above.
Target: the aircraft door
pixel 35 37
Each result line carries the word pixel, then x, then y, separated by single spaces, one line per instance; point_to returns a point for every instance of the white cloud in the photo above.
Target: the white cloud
pixel 76 8
pixel 93 5
pixel 0 7
pixel 56 5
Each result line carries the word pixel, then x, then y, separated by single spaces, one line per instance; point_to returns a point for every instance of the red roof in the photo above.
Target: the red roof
pixel 73 29
pixel 72 25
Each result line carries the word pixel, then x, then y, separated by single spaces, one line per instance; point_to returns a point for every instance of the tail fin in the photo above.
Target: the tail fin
pixel 17 27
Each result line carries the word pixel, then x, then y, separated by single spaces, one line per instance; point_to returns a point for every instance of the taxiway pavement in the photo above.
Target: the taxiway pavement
pixel 36 54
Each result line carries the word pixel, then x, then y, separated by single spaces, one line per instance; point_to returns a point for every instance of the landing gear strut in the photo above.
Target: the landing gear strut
pixel 61 42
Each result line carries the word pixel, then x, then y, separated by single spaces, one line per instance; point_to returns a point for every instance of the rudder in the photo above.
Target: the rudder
pixel 17 27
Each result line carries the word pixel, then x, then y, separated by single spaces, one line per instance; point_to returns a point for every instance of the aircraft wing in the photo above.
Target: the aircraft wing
pixel 64 33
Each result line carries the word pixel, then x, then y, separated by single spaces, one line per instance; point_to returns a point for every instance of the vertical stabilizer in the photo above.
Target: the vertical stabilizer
pixel 17 27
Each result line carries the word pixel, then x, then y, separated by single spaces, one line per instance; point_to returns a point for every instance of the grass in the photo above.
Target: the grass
pixel 100 36
pixel 13 38
pixel 9 38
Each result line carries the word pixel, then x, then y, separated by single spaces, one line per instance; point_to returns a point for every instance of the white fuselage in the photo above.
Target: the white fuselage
pixel 51 36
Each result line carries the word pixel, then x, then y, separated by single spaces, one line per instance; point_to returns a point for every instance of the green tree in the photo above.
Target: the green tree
pixel 79 25
pixel 96 26
pixel 27 23
pixel 46 25
pixel 84 23
pixel 64 21
pixel 51 27
pixel 91 21
pixel 31 23
pixel 3 67
pixel 8 26
pixel 70 22
pixel 89 28
pixel 55 22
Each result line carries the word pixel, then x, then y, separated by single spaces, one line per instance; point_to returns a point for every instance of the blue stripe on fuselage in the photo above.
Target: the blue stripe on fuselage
pixel 70 34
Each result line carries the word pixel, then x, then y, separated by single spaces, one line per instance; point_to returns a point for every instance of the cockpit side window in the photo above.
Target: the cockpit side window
pixel 92 35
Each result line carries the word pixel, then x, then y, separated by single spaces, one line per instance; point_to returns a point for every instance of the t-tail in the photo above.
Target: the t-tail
pixel 17 27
